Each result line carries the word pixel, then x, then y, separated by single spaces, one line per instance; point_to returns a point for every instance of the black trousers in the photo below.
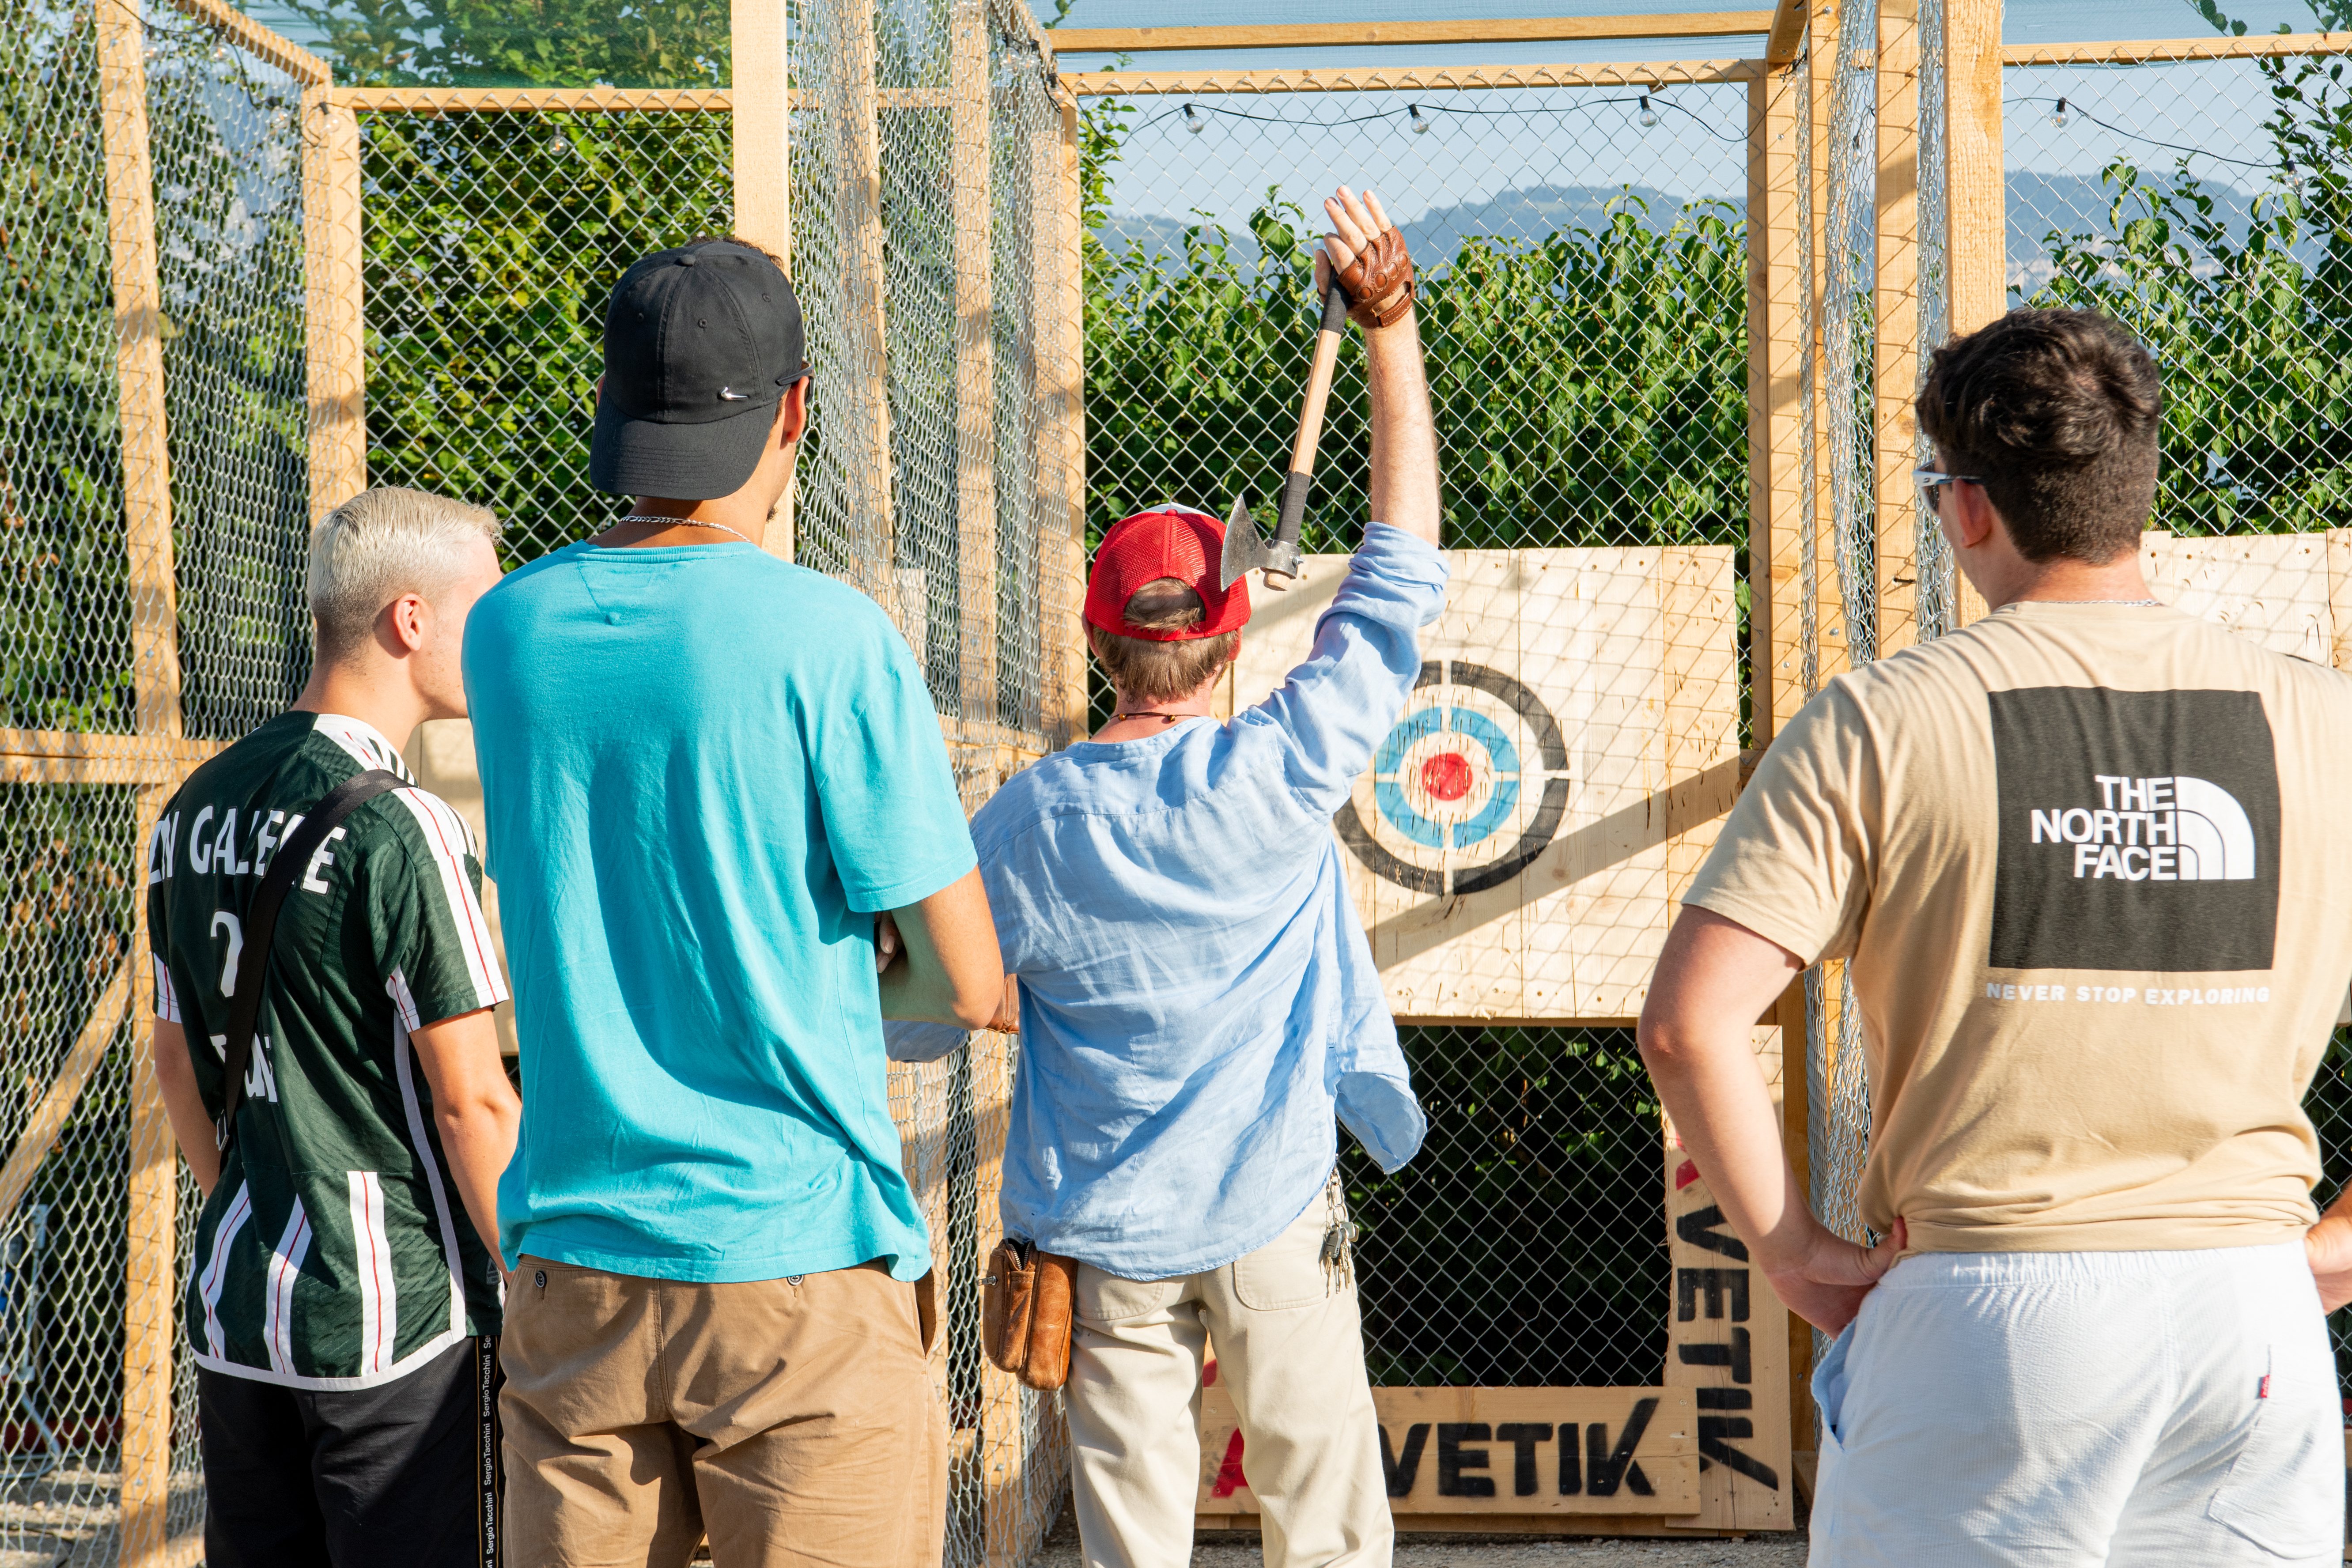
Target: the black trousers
pixel 403 1476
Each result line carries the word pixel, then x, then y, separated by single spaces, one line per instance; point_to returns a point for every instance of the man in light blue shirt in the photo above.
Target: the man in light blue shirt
pixel 708 775
pixel 1197 998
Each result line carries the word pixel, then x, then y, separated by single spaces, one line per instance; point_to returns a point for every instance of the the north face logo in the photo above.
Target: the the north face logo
pixel 2162 830
pixel 2140 830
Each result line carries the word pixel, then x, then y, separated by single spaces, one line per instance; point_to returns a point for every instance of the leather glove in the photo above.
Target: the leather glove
pixel 1378 282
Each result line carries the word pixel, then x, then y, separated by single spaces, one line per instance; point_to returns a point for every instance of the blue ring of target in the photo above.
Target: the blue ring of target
pixel 1387 791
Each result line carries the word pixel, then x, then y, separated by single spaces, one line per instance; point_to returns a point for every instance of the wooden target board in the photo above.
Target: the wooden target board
pixel 1522 838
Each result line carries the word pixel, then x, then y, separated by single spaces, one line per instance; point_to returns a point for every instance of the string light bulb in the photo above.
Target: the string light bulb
pixel 1420 121
pixel 1192 121
pixel 2058 115
pixel 1648 116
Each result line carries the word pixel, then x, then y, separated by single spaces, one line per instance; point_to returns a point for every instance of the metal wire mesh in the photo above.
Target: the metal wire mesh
pixel 1525 1243
pixel 930 212
pixel 1582 265
pixel 493 239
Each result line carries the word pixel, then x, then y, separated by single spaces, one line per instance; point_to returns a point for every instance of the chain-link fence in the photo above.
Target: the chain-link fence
pixel 151 456
pixel 932 212
pixel 170 243
pixel 1581 248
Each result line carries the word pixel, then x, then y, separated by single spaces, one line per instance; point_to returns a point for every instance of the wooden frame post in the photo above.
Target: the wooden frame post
pixel 152 1220
pixel 858 411
pixel 1976 224
pixel 1894 379
pixel 1775 414
pixel 1059 263
pixel 975 360
pixel 1775 590
pixel 334 280
pixel 761 129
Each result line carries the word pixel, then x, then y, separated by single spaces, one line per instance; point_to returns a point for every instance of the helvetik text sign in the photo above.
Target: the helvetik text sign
pixel 1518 845
pixel 1500 1450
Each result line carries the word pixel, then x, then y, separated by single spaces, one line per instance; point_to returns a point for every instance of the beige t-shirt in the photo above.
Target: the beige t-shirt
pixel 2092 868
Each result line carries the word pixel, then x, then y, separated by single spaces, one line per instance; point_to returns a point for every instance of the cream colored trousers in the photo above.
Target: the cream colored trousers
pixel 1289 1348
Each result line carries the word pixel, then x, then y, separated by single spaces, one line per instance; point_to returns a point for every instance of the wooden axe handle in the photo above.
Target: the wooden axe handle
pixel 1301 477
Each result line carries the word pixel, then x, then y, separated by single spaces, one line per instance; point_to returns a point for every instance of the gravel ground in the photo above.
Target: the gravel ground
pixel 1776 1551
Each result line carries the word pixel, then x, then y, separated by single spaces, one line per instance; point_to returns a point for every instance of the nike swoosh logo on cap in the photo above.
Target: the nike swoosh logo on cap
pixel 731 395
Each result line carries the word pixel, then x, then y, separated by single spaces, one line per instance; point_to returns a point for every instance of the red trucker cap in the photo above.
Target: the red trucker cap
pixel 1167 542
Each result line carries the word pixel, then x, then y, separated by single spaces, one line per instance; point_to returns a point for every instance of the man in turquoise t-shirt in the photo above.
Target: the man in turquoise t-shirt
pixel 708 776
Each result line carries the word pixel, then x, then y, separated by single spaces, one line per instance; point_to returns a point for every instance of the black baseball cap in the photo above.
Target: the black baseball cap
pixel 701 343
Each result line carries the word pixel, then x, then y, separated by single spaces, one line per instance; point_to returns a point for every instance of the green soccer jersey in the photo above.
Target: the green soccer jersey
pixel 335 1253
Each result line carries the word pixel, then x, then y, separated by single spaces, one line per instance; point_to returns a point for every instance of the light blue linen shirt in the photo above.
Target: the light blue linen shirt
pixel 1197 995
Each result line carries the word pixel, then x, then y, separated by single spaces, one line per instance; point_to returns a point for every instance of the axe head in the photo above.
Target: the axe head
pixel 1246 550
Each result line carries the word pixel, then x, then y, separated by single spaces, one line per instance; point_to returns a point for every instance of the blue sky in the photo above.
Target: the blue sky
pixel 1594 139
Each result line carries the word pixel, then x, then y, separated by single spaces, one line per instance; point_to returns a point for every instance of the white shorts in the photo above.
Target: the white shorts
pixel 2083 1408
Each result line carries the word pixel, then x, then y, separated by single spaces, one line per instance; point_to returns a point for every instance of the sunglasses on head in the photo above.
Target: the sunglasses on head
pixel 1932 482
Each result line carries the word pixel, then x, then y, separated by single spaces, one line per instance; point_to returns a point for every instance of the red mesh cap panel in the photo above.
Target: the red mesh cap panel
pixel 1174 542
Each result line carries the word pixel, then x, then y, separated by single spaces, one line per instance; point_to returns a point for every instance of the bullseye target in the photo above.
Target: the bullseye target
pixel 1467 789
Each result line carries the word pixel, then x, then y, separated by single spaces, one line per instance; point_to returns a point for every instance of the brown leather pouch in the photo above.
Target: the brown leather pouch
pixel 1025 1312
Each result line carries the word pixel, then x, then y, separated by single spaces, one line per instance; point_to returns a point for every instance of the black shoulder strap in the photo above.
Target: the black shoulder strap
pixel 292 857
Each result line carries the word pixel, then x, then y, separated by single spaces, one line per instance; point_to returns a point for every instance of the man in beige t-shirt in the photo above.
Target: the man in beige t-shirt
pixel 2087 863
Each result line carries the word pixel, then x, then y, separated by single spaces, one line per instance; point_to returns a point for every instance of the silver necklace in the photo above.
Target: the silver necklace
pixel 686 523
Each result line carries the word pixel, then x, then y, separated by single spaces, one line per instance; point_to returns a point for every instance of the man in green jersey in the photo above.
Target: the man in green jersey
pixel 339 1304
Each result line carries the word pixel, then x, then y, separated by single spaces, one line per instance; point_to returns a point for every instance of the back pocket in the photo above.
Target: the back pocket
pixel 2284 1490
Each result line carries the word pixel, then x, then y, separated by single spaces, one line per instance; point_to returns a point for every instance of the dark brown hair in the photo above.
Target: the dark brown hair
pixel 1152 671
pixel 2055 412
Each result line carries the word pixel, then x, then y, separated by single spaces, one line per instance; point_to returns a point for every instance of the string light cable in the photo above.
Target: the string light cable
pixel 1645 105
pixel 2067 108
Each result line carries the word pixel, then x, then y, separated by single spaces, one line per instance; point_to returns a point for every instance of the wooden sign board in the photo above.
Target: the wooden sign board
pixel 1500 1451
pixel 2290 592
pixel 1519 847
pixel 1727 1341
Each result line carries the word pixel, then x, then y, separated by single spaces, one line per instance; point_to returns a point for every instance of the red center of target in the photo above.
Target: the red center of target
pixel 1446 777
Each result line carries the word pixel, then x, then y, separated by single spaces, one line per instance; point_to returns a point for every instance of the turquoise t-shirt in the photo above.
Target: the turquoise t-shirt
pixel 704 771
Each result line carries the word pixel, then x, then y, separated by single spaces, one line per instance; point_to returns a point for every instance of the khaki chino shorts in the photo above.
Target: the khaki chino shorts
pixel 793 1420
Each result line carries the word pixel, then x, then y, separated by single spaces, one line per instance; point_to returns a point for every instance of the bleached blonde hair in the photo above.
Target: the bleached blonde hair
pixel 378 545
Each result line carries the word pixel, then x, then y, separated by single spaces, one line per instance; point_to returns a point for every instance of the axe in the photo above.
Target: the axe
pixel 1246 549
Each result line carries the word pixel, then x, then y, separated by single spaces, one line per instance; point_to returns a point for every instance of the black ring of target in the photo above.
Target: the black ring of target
pixel 1540 828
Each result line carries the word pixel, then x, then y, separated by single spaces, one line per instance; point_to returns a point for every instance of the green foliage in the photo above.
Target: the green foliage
pixel 2253 331
pixel 1590 388
pixel 65 627
pixel 1524 1244
pixel 493 242
pixel 525 43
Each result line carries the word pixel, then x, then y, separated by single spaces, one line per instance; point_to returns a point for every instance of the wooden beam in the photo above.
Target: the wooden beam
pixel 1788 33
pixel 1427 78
pixel 1976 239
pixel 1775 408
pixel 1490 30
pixel 761 100
pixel 2157 51
pixel 334 280
pixel 151 1267
pixel 971 163
pixel 1832 628
pixel 1895 378
pixel 1002 1451
pixel 256 40
pixel 49 1116
pixel 856 389
pixel 1064 637
pixel 71 744
pixel 537 100
pixel 139 367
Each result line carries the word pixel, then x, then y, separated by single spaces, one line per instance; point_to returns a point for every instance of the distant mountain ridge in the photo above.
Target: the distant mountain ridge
pixel 2039 205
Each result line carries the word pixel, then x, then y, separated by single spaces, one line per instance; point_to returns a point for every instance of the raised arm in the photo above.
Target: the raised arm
pixel 1404 434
